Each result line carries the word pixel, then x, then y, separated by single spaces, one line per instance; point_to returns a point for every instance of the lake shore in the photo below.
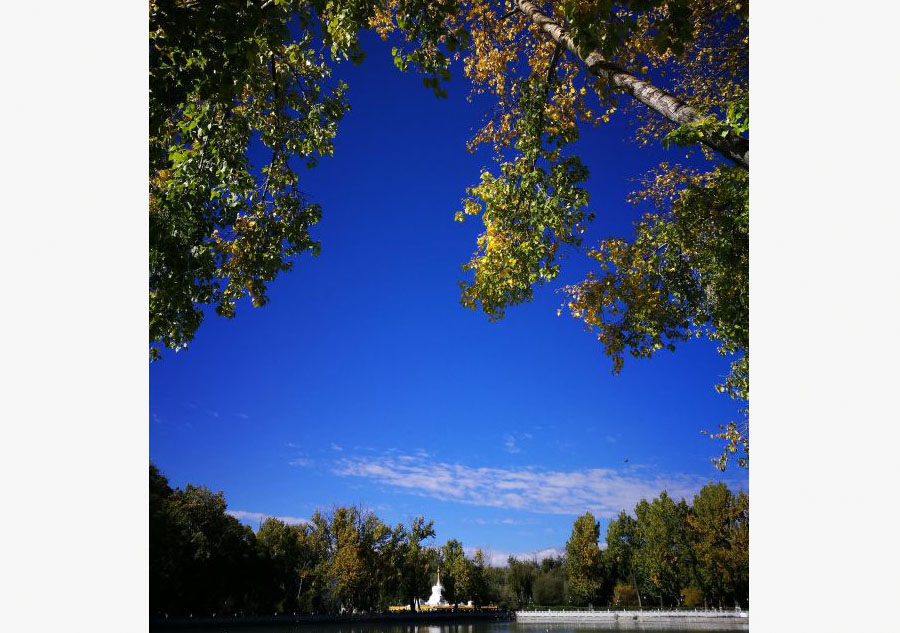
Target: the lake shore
pixel 288 619
pixel 734 620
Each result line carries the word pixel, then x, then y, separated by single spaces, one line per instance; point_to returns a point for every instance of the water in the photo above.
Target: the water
pixel 480 627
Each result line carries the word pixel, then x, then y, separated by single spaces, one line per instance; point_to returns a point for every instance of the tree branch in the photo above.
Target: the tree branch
pixel 734 147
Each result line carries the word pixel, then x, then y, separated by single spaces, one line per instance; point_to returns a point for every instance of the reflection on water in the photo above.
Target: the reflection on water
pixel 484 627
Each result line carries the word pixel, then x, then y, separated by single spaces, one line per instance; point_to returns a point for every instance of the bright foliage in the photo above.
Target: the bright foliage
pixel 583 560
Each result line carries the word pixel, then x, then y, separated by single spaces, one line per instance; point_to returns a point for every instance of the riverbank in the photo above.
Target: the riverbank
pixel 732 619
pixel 405 617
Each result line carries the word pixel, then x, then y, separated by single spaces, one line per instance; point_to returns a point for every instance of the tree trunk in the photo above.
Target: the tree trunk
pixel 734 147
pixel 636 590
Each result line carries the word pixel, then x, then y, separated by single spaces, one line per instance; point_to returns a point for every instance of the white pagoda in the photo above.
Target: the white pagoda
pixel 437 594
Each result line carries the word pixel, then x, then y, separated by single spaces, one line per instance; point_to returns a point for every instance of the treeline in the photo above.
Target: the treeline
pixel 204 561
pixel 670 553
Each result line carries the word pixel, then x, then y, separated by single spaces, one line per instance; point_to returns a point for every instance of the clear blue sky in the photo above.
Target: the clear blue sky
pixel 365 381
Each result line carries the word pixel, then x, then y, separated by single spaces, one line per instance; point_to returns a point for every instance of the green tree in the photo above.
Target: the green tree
pixel 719 526
pixel 550 582
pixel 416 565
pixel 479 583
pixel 292 555
pixel 583 560
pixel 166 582
pixel 622 543
pixel 357 542
pixel 281 547
pixel 496 586
pixel 313 552
pixel 691 596
pixel 684 274
pixel 625 595
pixel 204 558
pixel 520 581
pixel 664 552
pixel 456 572
pixel 224 74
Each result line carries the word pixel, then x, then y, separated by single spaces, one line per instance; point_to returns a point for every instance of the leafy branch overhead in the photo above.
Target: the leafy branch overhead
pixel 223 76
pixel 684 274
pixel 231 74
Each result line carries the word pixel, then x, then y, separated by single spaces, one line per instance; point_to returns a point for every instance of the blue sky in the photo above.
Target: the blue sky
pixel 365 381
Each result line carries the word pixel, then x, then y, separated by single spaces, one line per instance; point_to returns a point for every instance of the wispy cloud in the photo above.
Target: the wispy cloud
pixel 503 521
pixel 300 461
pixel 603 491
pixel 511 441
pixel 259 517
pixel 242 416
pixel 336 447
pixel 509 444
pixel 497 558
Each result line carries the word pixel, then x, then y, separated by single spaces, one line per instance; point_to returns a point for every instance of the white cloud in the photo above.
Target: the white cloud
pixel 300 461
pixel 259 517
pixel 603 491
pixel 503 521
pixel 336 447
pixel 511 441
pixel 497 558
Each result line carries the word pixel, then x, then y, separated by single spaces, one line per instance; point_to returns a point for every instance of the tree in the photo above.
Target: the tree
pixel 583 560
pixel 520 583
pixel 478 582
pixel 313 553
pixel 624 594
pixel 691 596
pixel 685 272
pixel 719 526
pixel 496 586
pixel 550 582
pixel 456 570
pixel 165 565
pixel 622 542
pixel 224 74
pixel 202 560
pixel 663 555
pixel 416 565
pixel 357 539
pixel 292 555
pixel 281 546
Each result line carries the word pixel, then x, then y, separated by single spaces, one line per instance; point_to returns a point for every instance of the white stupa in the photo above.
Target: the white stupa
pixel 437 594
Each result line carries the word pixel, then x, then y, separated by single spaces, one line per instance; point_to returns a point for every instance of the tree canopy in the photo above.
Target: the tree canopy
pixel 583 560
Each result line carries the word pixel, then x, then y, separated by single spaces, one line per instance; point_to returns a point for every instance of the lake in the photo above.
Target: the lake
pixel 477 627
